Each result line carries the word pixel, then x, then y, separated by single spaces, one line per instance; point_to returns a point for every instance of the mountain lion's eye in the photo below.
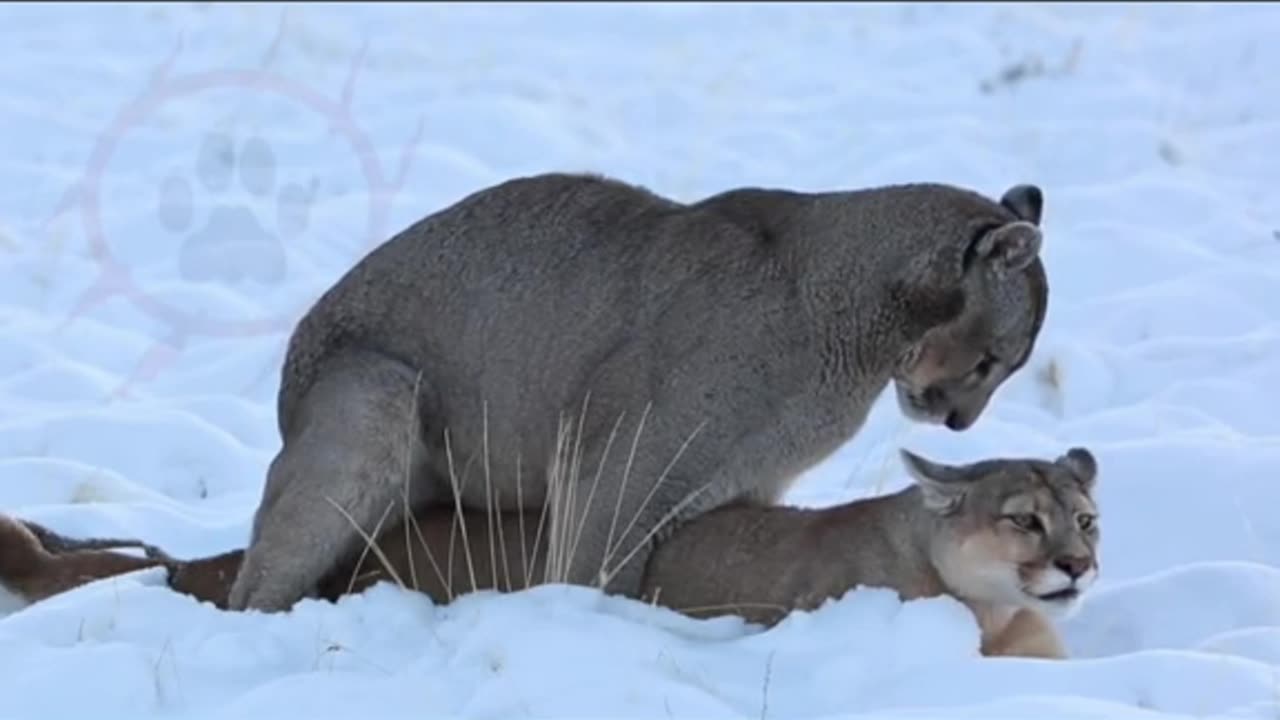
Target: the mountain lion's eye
pixel 984 367
pixel 1026 521
pixel 1086 521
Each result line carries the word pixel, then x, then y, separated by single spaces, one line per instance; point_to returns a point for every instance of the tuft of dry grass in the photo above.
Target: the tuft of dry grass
pixel 369 542
pixel 564 538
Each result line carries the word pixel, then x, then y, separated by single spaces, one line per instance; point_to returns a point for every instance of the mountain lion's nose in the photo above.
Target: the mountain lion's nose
pixel 1073 566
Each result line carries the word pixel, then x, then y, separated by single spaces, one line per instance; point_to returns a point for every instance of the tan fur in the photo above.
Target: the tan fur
pixel 945 535
pixel 35 570
pixel 1025 633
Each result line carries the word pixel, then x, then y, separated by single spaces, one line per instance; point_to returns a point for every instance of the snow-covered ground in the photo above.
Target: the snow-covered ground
pixel 150 155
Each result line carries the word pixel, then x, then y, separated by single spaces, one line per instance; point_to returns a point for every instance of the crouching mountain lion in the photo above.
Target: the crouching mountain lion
pixel 1015 540
pixel 680 357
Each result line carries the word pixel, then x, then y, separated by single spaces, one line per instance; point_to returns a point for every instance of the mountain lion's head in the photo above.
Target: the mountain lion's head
pixel 1014 532
pixel 950 375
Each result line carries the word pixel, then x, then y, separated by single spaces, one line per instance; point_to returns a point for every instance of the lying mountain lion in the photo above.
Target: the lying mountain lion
pixel 1014 539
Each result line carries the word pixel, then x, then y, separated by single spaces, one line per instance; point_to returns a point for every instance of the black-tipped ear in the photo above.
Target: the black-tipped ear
pixel 1009 248
pixel 1082 464
pixel 1025 201
pixel 942 486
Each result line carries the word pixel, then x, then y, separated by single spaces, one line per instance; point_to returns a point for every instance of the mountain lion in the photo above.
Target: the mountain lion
pixel 674 357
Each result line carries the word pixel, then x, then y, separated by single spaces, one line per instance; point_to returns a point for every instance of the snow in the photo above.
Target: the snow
pixel 137 397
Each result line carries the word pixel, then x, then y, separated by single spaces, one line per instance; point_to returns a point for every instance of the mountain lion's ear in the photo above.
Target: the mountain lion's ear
pixel 942 486
pixel 1008 248
pixel 1082 464
pixel 1025 201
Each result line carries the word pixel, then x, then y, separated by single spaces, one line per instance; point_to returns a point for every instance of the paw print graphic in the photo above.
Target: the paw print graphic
pixel 231 243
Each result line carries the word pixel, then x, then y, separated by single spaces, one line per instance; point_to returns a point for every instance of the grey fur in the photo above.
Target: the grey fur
pixel 1082 464
pixel 1026 201
pixel 725 346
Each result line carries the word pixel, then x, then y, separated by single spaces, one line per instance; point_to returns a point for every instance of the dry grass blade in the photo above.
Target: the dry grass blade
pixel 411 430
pixel 537 542
pixel 731 608
pixel 494 513
pixel 582 521
pixel 445 582
pixel 369 542
pixel 488 494
pixel 570 484
pixel 502 546
pixel 764 691
pixel 557 497
pixel 622 490
pixel 667 518
pixel 640 510
pixel 458 516
pixel 410 517
pixel 524 557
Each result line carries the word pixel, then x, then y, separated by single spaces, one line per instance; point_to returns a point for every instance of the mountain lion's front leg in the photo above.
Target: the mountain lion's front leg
pixel 1027 634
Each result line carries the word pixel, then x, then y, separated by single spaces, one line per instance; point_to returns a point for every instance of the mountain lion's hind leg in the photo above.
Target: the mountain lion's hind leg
pixel 353 443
